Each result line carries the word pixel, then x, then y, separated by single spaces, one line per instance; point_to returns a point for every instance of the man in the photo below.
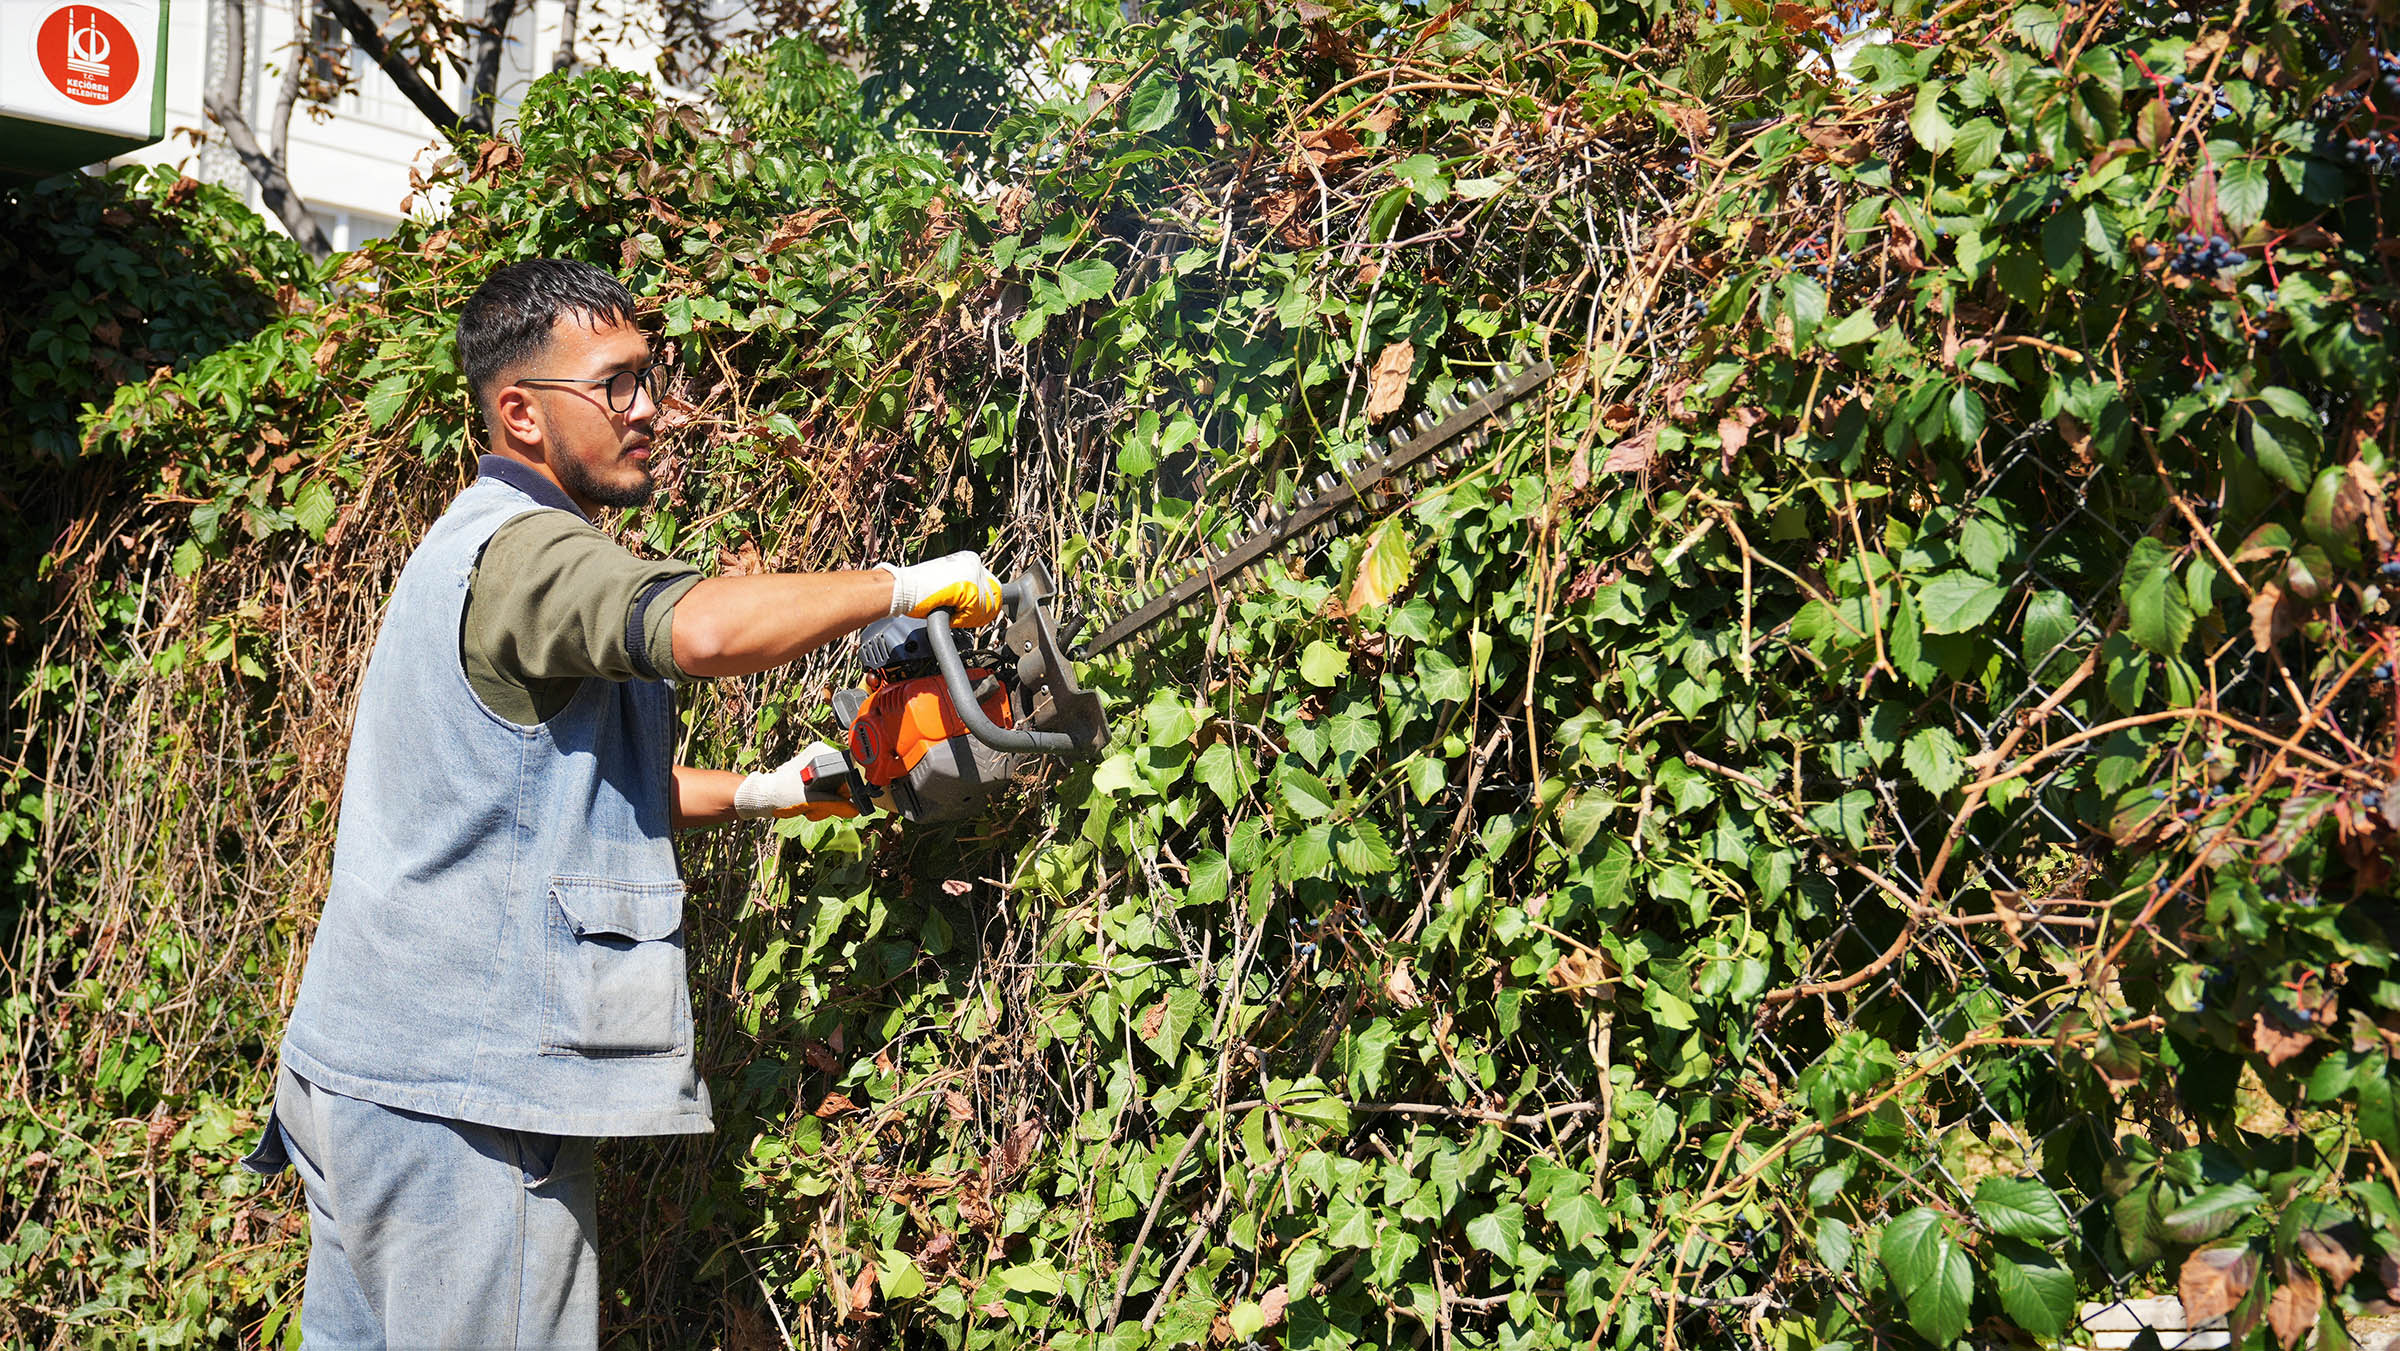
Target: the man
pixel 498 976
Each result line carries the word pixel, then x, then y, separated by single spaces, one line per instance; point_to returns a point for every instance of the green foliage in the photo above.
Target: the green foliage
pixel 1862 819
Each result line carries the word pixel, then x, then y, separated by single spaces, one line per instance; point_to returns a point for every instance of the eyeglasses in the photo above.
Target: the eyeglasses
pixel 620 386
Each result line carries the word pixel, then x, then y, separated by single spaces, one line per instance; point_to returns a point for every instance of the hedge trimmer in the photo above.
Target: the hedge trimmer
pixel 937 731
pixel 1444 434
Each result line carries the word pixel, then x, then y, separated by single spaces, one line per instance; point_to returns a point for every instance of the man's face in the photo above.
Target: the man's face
pixel 600 455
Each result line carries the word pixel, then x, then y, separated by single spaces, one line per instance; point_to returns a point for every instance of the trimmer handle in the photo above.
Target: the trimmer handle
pixel 962 691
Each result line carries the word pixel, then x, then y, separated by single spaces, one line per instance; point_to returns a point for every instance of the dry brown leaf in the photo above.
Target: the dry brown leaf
pixel 2371 498
pixel 835 1105
pixel 2330 1255
pixel 2270 619
pixel 956 1103
pixel 796 227
pixel 2271 1040
pixel 1387 383
pixel 2292 1309
pixel 819 1056
pixel 1219 1331
pixel 497 156
pixel 1014 1152
pixel 1733 430
pixel 862 1292
pixel 1382 120
pixel 1633 454
pixel 939 1251
pixel 1840 146
pixel 1155 1019
pixel 2213 1281
pixel 1272 1304
pixel 1692 122
pixel 1400 986
pixel 957 886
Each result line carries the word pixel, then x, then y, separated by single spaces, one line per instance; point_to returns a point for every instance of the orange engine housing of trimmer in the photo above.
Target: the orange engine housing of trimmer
pixel 904 720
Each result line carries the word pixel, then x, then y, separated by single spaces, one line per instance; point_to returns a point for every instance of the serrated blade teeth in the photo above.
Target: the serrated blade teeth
pixel 1476 389
pixel 1426 420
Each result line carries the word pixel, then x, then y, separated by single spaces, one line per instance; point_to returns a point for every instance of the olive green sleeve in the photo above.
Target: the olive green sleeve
pixel 554 602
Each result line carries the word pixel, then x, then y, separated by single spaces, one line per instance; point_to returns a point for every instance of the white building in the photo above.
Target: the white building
pixel 349 162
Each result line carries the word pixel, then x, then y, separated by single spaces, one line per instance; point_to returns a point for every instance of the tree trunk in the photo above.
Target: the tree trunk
pixel 567 19
pixel 223 103
pixel 491 37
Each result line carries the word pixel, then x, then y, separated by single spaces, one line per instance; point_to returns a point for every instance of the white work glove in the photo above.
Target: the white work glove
pixel 958 582
pixel 785 789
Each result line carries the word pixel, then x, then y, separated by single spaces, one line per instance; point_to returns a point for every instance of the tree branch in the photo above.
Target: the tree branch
pixel 403 76
pixel 223 104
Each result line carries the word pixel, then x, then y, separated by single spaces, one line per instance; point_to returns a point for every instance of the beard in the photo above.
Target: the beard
pixel 580 482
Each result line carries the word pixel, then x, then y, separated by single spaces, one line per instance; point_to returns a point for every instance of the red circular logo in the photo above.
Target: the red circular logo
pixel 87 54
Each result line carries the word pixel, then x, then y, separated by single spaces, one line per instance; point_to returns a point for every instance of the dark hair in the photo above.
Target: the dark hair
pixel 508 319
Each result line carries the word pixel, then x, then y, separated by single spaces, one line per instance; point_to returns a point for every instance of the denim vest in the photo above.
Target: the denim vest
pixel 502 940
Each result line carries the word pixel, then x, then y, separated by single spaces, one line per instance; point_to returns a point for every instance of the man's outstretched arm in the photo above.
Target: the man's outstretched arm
pixel 728 626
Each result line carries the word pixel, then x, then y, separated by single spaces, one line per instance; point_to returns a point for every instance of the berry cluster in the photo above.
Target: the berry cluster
pixel 2199 255
pixel 2379 151
pixel 2387 78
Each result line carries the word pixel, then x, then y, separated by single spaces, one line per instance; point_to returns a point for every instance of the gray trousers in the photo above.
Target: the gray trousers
pixel 427 1233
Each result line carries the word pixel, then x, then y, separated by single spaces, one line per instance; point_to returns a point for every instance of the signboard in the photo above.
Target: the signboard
pixel 80 80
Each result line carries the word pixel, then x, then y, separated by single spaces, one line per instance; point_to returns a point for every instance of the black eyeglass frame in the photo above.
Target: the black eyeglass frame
pixel 643 380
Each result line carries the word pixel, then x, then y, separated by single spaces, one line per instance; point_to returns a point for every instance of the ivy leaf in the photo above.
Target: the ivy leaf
pixel 1933 758
pixel 898 1276
pixel 1353 733
pixel 1153 103
pixel 1442 679
pixel 1426 778
pixel 1219 772
pixel 1322 664
pixel 1612 876
pixel 2020 1207
pixel 1424 177
pixel 1930 1272
pixel 2157 613
pixel 1086 279
pixel 1499 1231
pixel 1305 792
pixel 1845 817
pixel 1383 569
pixel 2035 1289
pixel 1956 601
pixel 1581 818
pixel 1576 1212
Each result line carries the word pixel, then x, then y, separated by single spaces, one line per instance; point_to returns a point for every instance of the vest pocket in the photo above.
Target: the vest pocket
pixel 616 980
